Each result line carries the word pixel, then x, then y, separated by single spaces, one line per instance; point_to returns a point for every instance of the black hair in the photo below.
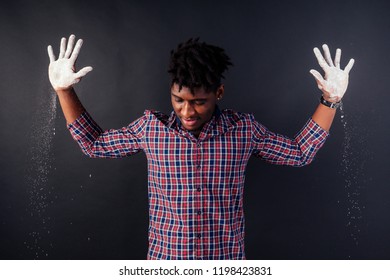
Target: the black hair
pixel 195 64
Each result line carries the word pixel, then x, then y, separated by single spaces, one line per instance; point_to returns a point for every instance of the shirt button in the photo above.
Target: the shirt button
pixel 198 235
pixel 198 189
pixel 199 212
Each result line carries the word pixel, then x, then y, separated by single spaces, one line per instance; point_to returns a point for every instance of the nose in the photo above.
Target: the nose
pixel 188 110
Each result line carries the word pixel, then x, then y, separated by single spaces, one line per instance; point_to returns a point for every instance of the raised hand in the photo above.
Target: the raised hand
pixel 335 82
pixel 62 72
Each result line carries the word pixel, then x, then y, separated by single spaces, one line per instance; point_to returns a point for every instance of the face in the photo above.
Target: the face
pixel 194 110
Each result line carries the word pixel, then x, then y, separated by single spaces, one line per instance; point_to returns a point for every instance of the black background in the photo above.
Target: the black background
pixel 55 203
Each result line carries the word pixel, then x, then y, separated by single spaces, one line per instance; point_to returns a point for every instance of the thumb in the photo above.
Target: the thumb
pixel 320 80
pixel 84 71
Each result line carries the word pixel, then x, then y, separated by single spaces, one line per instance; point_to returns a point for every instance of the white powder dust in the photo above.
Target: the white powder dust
pixel 40 161
pixel 354 156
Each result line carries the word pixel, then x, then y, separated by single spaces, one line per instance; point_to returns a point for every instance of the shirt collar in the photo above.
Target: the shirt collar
pixel 217 125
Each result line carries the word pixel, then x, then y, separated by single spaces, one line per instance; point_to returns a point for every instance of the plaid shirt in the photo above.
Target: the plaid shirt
pixel 195 185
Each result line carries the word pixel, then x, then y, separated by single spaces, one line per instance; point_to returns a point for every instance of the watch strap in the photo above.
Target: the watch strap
pixel 333 105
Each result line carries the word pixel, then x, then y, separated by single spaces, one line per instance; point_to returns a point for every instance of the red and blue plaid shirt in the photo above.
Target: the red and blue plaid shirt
pixel 195 185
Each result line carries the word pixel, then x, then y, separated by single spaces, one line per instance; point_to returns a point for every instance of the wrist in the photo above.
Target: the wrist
pixel 63 91
pixel 330 104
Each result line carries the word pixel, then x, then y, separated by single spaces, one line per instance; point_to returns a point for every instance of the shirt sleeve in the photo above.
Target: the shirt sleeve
pixel 113 143
pixel 282 150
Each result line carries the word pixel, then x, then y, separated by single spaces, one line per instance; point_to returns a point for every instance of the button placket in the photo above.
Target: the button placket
pixel 198 201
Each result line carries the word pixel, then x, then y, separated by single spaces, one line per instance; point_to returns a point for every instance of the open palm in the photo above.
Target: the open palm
pixel 335 82
pixel 62 72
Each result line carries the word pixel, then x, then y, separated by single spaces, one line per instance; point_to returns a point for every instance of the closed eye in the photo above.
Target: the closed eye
pixel 199 102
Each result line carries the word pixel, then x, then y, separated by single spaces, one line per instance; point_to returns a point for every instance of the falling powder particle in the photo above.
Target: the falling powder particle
pixel 354 157
pixel 40 164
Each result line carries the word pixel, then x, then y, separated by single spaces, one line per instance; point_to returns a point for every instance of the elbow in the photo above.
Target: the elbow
pixel 89 152
pixel 301 160
pixel 305 156
pixel 304 160
pixel 302 163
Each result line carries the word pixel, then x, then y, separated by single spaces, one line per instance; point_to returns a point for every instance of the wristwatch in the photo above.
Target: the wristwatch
pixel 333 105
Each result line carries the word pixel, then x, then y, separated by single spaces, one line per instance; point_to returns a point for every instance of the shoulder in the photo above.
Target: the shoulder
pixel 157 116
pixel 235 118
pixel 243 121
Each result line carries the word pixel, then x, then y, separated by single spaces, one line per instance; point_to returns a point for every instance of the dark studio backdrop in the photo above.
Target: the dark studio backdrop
pixel 55 203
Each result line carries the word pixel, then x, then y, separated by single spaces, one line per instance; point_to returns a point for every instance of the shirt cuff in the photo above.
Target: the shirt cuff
pixel 313 133
pixel 84 127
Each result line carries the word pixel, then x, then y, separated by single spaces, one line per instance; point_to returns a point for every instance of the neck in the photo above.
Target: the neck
pixel 196 132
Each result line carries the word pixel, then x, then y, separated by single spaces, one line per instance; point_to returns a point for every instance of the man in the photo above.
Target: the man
pixel 197 155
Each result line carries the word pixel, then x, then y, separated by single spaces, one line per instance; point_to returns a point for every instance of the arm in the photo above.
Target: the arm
pixel 281 150
pixel 70 104
pixel 324 116
pixel 278 149
pixel 333 86
pixel 112 143
pixel 93 141
pixel 63 76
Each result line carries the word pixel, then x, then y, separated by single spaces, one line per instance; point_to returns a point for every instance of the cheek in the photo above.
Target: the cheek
pixel 206 113
pixel 175 106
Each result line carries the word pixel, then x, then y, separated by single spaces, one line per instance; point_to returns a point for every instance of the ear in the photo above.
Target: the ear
pixel 220 91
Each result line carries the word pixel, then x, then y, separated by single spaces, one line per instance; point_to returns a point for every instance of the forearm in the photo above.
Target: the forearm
pixel 324 116
pixel 112 143
pixel 282 150
pixel 70 104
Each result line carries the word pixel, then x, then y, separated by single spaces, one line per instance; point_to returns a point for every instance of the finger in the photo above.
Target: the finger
pixel 327 55
pixel 75 81
pixel 51 54
pixel 76 50
pixel 320 80
pixel 70 45
pixel 62 47
pixel 83 72
pixel 320 58
pixel 349 65
pixel 337 58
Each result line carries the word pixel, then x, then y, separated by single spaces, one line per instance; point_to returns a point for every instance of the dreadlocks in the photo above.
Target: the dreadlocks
pixel 196 64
